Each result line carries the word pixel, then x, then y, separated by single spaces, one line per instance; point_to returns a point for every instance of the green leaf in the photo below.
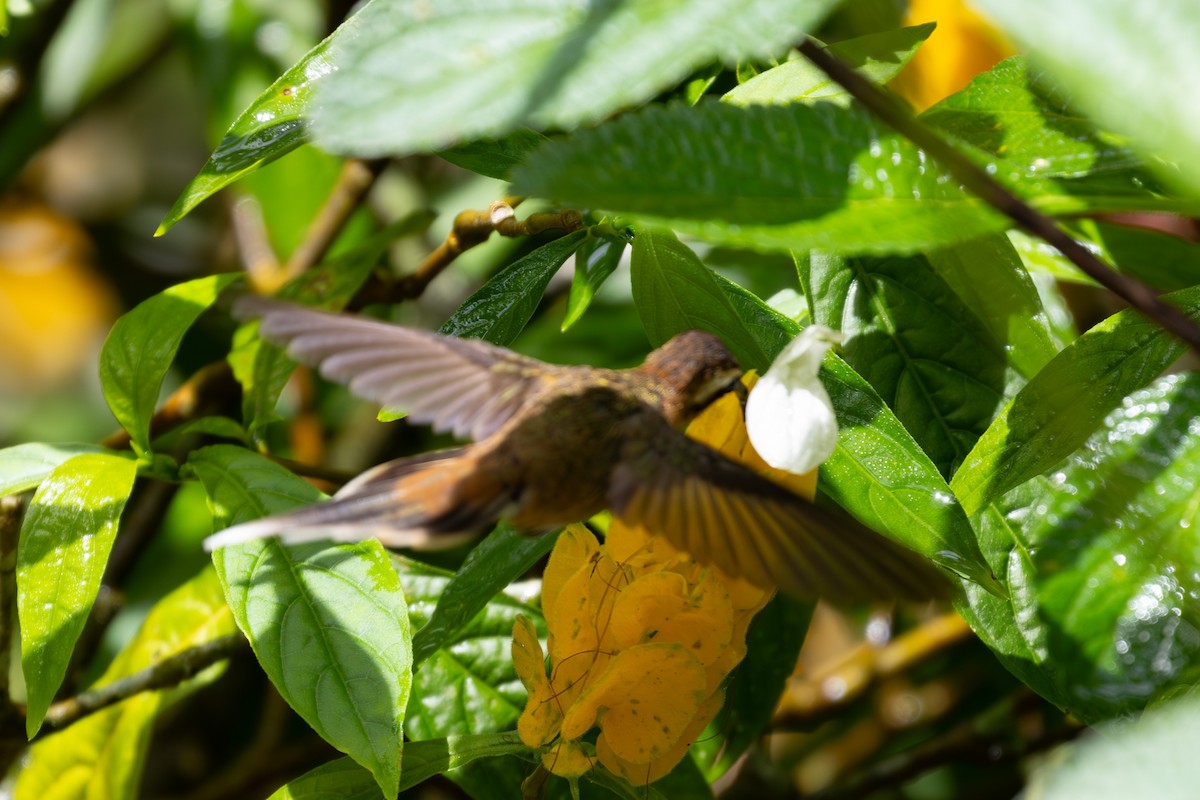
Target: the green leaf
pixel 495 158
pixel 272 126
pixel 674 292
pixel 469 684
pixel 1136 85
pixel 896 314
pixel 595 260
pixel 329 625
pixel 422 760
pixel 399 89
pixel 1061 406
pixel 141 346
pixel 500 309
pixel 1165 261
pixel 1013 115
pixel 66 537
pixel 1101 562
pixel 768 178
pixel 24 466
pixel 503 557
pixel 103 754
pixel 877 56
pixel 988 276
pixel 882 477
pixel 1117 556
pixel 772 646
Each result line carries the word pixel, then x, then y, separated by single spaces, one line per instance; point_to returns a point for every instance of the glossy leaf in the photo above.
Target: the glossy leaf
pixel 878 56
pixel 24 466
pixel 1062 405
pixel 329 625
pixel 141 346
pixel 500 309
pixel 272 126
pixel 1117 556
pixel 544 63
pixel 495 158
pixel 469 684
pixel 103 754
pixel 988 276
pixel 66 537
pixel 895 313
pixel 1102 563
pixel 768 178
pixel 1012 114
pixel 674 292
pixel 422 760
pixel 1129 84
pixel 879 474
pixel 595 260
pixel 503 557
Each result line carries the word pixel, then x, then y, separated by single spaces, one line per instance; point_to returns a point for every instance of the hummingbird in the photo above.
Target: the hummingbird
pixel 556 444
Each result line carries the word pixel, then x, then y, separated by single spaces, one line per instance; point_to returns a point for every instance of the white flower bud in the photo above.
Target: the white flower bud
pixel 789 417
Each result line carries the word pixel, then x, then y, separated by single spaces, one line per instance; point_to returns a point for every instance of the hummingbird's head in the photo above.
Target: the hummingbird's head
pixel 696 368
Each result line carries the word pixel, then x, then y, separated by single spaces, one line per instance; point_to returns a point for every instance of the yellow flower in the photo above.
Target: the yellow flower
pixel 641 638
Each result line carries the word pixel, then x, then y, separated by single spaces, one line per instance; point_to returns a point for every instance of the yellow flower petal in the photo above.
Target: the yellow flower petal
pixel 575 547
pixel 642 774
pixel 540 721
pixel 643 702
pixel 661 607
pixel 567 759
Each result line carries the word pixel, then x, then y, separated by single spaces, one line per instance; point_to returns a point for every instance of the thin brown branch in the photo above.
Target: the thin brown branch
pixel 896 114
pixel 348 193
pixel 167 673
pixel 472 228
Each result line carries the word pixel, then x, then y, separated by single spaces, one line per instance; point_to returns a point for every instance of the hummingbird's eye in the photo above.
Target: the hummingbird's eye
pixel 715 386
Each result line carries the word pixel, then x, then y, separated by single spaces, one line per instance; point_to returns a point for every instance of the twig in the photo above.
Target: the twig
pixel 896 114
pixel 472 228
pixel 353 183
pixel 166 673
pixel 807 702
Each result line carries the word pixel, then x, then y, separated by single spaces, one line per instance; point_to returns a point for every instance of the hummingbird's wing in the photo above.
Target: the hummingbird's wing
pixel 464 386
pixel 727 515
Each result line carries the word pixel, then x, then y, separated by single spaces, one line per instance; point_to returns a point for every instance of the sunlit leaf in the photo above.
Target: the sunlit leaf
pixel 545 63
pixel 595 260
pixel 141 346
pixel 1061 406
pixel 1130 84
pixel 103 754
pixel 24 466
pixel 768 178
pixel 329 625
pixel 66 537
pixel 878 56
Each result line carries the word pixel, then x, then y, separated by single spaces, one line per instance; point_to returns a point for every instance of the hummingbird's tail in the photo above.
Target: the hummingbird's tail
pixel 425 502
